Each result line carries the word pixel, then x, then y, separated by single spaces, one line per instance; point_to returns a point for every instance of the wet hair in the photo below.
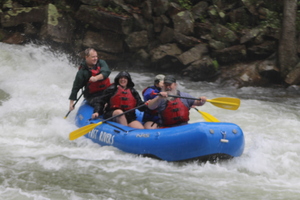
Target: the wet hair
pixel 88 51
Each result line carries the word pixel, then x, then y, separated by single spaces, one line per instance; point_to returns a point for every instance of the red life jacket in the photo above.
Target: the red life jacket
pixel 123 99
pixel 175 113
pixel 98 85
pixel 144 90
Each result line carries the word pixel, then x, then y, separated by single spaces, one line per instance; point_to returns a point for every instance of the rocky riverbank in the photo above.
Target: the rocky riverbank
pixel 232 42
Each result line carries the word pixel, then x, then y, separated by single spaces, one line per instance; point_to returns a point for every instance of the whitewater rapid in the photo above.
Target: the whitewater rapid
pixel 38 161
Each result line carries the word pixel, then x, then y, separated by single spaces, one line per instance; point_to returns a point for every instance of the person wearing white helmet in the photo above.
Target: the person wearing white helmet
pixel 150 117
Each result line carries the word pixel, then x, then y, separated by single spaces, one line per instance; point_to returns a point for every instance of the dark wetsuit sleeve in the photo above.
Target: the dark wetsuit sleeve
pixel 99 102
pixel 138 99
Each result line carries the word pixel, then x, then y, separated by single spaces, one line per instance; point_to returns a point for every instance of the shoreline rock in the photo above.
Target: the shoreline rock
pixel 200 42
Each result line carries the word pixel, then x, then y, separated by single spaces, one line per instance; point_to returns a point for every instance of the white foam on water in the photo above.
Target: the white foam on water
pixel 38 161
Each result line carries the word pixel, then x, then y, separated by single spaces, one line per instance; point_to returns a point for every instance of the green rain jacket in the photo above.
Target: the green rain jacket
pixel 82 78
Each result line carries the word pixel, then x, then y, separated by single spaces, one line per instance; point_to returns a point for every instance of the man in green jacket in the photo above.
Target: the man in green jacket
pixel 92 75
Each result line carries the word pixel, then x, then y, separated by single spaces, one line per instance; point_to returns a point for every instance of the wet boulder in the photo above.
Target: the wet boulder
pixel 14 38
pixel 204 69
pixel 231 54
pixel 160 52
pixel 16 16
pixel 186 41
pixel 104 41
pixel 167 35
pixel 293 77
pixel 137 40
pixel 199 10
pixel 241 75
pixel 3 34
pixel 268 69
pixel 101 19
pixel 223 34
pixel 263 50
pixel 159 7
pixel 184 22
pixel 193 54
pixel 57 27
pixel 250 35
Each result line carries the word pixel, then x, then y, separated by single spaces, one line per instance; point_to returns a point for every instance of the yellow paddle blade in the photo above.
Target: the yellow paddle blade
pixel 208 117
pixel 83 130
pixel 226 102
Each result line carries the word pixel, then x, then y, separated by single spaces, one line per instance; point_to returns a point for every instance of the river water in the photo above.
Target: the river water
pixel 37 160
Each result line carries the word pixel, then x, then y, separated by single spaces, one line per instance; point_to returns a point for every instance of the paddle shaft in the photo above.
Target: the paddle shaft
pixel 208 100
pixel 85 129
pixel 74 105
pixel 221 102
pixel 127 111
pixel 207 117
pixel 183 97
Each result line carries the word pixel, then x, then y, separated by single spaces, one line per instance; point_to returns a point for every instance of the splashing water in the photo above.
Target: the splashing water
pixel 37 161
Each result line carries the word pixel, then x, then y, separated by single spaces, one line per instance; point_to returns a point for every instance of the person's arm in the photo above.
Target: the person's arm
pixel 154 103
pixel 191 102
pixel 104 72
pixel 71 106
pixel 200 102
pixel 99 102
pixel 77 85
pixel 148 94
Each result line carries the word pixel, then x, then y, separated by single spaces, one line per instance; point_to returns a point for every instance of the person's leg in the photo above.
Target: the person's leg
pixel 150 125
pixel 121 119
pixel 132 121
pixel 136 124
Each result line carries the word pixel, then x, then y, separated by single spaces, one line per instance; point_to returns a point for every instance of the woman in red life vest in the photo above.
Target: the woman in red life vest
pixel 117 98
pixel 92 75
pixel 173 111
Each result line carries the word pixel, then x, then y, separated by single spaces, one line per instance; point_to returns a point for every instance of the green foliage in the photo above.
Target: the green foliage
pixel 202 18
pixel 275 6
pixel 215 64
pixel 114 9
pixel 118 10
pixel 234 26
pixel 186 4
pixel 273 20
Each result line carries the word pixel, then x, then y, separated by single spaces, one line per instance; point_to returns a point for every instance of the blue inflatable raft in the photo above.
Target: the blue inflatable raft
pixel 201 140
